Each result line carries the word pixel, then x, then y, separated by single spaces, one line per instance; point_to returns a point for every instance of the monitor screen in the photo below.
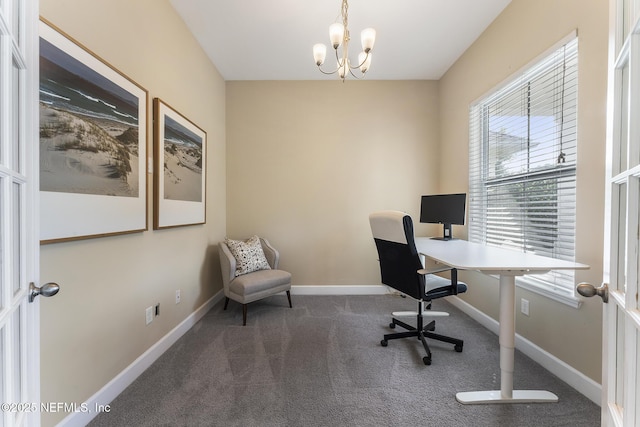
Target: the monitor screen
pixel 444 209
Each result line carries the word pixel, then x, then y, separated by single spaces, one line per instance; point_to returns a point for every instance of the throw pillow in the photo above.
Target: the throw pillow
pixel 248 254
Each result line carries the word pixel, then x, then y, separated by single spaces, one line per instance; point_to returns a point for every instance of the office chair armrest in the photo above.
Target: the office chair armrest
pixel 441 288
pixel 425 271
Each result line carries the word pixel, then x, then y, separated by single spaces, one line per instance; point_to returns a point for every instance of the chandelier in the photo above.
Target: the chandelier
pixel 339 36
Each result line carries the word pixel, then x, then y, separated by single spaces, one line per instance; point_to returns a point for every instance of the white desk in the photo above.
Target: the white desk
pixel 508 264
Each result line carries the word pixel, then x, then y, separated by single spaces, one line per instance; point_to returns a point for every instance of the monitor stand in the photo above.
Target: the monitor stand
pixel 446 233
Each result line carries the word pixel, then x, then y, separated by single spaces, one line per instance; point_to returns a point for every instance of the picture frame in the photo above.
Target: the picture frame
pixel 180 153
pixel 93 144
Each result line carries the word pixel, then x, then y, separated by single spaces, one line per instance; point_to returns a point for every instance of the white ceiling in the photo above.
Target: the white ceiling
pixel 273 39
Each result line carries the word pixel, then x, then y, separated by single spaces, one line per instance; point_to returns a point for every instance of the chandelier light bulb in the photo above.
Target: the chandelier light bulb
pixel 319 53
pixel 336 34
pixel 364 59
pixel 368 38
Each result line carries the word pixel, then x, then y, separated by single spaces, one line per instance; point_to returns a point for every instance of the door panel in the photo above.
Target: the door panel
pixel 19 350
pixel 621 344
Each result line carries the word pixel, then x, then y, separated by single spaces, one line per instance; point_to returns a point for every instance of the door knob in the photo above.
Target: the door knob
pixel 588 290
pixel 47 290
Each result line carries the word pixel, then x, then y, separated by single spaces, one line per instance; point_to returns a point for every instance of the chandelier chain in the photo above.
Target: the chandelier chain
pixel 346 37
pixel 345 14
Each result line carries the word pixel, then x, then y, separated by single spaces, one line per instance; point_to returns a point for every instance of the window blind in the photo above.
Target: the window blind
pixel 522 165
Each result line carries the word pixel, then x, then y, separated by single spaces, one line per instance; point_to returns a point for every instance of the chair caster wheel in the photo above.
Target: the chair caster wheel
pixel 426 360
pixel 392 325
pixel 384 343
pixel 458 348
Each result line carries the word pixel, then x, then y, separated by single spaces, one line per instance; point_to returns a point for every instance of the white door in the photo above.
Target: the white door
pixel 621 326
pixel 19 246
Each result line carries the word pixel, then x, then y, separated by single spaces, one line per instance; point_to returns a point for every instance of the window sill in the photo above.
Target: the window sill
pixel 570 300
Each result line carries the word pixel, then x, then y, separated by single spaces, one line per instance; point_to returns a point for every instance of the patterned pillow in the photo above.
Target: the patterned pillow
pixel 248 254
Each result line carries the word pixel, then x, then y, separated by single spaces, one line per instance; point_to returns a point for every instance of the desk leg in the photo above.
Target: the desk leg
pixel 507 333
pixel 506 394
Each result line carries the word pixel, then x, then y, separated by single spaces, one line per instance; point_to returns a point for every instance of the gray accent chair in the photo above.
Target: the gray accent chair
pixel 256 285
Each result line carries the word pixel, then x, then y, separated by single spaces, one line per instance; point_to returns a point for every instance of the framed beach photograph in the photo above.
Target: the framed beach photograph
pixel 180 169
pixel 93 144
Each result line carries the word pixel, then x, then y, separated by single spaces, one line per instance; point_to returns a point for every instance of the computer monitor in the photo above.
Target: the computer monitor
pixel 445 209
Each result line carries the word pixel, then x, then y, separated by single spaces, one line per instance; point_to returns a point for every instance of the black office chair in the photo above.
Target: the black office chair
pixel 402 269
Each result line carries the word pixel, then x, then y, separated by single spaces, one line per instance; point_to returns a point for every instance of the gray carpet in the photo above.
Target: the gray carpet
pixel 321 364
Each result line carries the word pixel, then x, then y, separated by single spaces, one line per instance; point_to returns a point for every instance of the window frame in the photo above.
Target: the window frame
pixel 479 182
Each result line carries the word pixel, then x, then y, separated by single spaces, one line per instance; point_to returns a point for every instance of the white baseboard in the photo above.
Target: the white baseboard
pixel 574 378
pixel 117 385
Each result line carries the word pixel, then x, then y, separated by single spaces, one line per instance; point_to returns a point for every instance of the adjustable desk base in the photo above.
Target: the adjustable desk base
pixel 495 396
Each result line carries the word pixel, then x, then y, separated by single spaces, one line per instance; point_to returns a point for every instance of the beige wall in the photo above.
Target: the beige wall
pixel 308 161
pixel 523 31
pixel 95 327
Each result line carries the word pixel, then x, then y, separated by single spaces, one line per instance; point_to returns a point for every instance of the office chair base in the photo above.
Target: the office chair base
pixel 422 333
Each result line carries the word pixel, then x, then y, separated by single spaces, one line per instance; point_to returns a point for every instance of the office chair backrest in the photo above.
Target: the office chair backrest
pixel 399 259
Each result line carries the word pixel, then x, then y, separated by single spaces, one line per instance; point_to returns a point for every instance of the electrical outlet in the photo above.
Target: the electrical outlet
pixel 158 309
pixel 149 314
pixel 178 296
pixel 524 306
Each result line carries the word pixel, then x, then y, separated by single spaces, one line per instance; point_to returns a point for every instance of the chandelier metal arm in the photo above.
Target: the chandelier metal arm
pixel 337 68
pixel 341 58
pixel 327 72
pixel 360 64
pixel 352 74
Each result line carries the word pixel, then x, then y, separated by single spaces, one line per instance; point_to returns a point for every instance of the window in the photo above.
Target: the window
pixel 522 166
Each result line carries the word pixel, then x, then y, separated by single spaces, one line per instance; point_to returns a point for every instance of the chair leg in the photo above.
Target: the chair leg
pixel 458 343
pixel 395 321
pixel 427 359
pixel 244 308
pixel 431 326
pixel 244 314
